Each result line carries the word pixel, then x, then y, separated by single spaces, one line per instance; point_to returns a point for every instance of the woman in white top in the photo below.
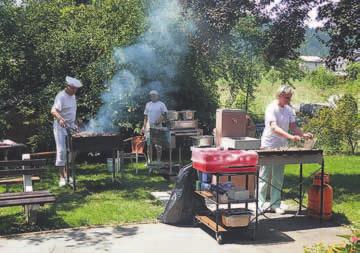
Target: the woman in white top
pixel 64 112
pixel 279 119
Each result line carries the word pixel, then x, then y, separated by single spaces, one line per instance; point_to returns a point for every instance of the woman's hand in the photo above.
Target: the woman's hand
pixel 295 138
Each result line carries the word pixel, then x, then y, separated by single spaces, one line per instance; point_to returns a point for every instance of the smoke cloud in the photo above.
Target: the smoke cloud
pixel 151 63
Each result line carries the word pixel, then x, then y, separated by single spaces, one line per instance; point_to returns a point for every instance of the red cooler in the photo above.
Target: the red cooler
pixel 216 160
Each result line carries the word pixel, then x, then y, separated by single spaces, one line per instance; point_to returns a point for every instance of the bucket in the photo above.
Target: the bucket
pixel 109 162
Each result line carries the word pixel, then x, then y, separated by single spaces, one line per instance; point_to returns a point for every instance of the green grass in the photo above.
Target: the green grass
pixel 97 201
pixel 344 178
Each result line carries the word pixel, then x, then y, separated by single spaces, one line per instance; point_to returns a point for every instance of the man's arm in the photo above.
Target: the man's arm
pixel 58 117
pixel 144 124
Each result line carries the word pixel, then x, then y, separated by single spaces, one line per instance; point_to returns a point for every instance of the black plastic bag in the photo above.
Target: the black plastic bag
pixel 183 202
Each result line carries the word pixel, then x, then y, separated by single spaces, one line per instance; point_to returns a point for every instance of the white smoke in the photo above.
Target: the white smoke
pixel 151 63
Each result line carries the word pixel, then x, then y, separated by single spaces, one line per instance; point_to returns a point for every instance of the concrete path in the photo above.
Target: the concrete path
pixel 285 234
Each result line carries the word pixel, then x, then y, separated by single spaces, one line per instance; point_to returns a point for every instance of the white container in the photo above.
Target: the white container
pixel 243 143
pixel 236 218
pixel 109 162
pixel 238 195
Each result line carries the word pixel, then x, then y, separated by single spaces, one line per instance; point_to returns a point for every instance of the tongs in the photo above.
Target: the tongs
pixel 71 130
pixel 308 143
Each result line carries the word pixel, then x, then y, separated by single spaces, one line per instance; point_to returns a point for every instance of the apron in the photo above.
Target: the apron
pixel 60 140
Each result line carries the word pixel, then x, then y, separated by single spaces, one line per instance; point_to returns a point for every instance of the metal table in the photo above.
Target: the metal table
pixel 295 156
pixel 8 147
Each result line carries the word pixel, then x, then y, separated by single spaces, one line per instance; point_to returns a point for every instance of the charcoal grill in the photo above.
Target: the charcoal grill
pixel 92 142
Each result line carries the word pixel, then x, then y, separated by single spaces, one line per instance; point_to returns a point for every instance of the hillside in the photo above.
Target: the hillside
pixel 313 45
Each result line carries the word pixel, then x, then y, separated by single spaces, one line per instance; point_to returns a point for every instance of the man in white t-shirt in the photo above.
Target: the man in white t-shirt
pixel 64 112
pixel 154 115
pixel 279 119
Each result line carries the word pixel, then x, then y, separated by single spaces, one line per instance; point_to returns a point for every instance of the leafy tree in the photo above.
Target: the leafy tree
pixel 240 61
pixel 342 24
pixel 286 71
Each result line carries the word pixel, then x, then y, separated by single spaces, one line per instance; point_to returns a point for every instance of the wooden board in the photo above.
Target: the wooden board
pixel 19 163
pixel 19 172
pixel 18 180
pixel 27 201
pixel 19 195
pixel 210 223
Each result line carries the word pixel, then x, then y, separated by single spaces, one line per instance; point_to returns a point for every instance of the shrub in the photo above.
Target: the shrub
pixel 352 245
pixel 353 71
pixel 337 129
pixel 323 78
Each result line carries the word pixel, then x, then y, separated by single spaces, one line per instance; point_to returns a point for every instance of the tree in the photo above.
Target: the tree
pixel 342 24
pixel 240 61
pixel 286 71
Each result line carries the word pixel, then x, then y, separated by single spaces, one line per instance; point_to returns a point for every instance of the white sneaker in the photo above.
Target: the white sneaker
pixel 284 206
pixel 71 180
pixel 62 182
pixel 279 210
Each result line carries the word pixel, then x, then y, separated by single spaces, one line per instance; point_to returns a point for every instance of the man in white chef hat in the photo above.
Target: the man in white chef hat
pixel 64 112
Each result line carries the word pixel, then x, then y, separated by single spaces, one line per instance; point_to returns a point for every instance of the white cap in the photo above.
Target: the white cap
pixel 73 82
pixel 154 92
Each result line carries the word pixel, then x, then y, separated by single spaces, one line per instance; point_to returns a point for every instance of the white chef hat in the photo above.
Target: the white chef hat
pixel 73 82
pixel 154 92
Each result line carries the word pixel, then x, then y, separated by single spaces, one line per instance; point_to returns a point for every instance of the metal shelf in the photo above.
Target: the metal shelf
pixel 211 197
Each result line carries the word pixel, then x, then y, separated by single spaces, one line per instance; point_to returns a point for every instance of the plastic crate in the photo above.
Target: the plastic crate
pixel 216 160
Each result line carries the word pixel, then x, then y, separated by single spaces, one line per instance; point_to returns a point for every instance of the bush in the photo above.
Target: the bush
pixel 352 245
pixel 337 129
pixel 353 71
pixel 323 78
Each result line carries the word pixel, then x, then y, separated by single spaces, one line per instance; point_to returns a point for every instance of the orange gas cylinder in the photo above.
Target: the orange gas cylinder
pixel 314 194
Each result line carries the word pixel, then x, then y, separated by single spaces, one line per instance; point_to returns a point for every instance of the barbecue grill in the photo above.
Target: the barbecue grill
pixel 176 135
pixel 92 142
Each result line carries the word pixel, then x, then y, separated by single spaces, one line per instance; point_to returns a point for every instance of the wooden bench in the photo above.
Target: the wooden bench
pixel 17 180
pixel 29 199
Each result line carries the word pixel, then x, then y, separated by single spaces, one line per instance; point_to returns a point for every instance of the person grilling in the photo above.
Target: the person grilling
pixel 154 115
pixel 279 119
pixel 64 113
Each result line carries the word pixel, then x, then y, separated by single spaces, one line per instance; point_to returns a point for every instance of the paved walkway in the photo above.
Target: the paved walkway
pixel 285 234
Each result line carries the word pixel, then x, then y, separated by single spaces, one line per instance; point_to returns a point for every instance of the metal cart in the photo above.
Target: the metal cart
pixel 212 218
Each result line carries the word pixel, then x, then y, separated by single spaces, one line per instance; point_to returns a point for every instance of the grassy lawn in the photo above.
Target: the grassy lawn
pixel 344 178
pixel 98 201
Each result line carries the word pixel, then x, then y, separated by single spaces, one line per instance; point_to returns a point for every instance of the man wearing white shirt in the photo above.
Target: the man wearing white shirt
pixel 154 115
pixel 279 119
pixel 64 113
